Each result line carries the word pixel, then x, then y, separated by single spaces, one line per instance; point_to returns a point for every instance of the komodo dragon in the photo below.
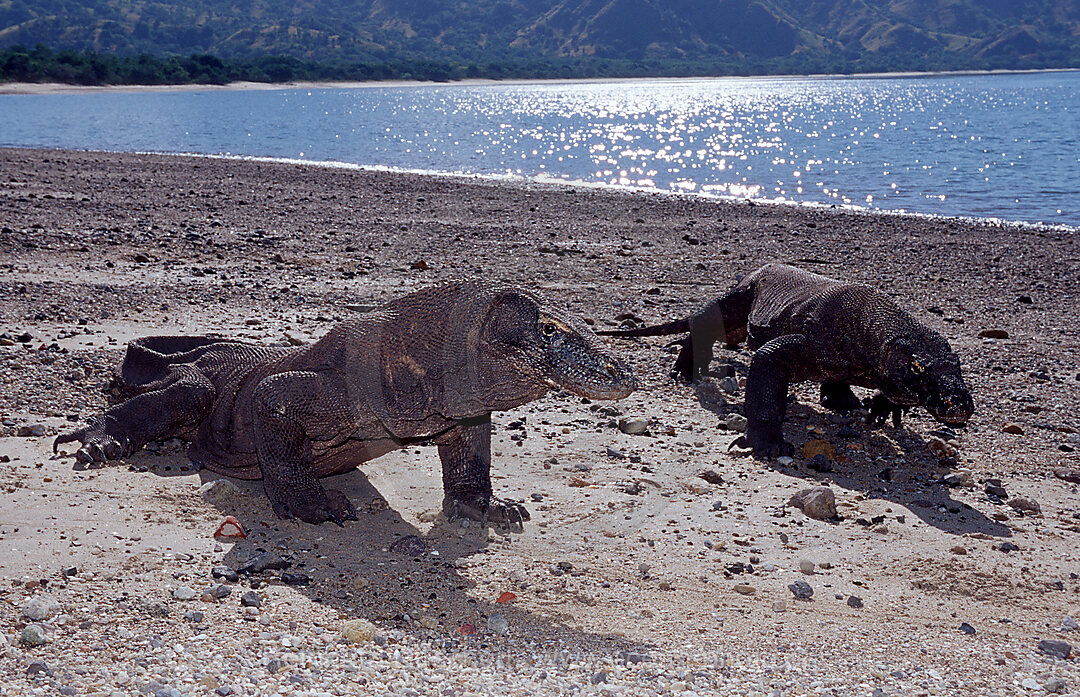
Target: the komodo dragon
pixel 803 326
pixel 430 366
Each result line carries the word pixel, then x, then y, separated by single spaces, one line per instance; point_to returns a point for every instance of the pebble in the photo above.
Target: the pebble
pixel 225 573
pixel 729 385
pixel 817 502
pixel 967 628
pixel 251 599
pixel 274 665
pixel 1069 625
pixel 221 591
pixel 801 590
pixel 295 579
pixel 358 631
pixel 1025 505
pixel 633 425
pixel 262 562
pixel 221 493
pixel 854 601
pixel 1030 684
pixel 184 593
pixel 1068 474
pixel 33 635
pixel 497 624
pixel 744 589
pixel 1055 684
pixel 785 461
pixel 806 566
pixel 1013 428
pixel 40 607
pixel 1055 648
pixel 39 668
pixel 994 334
pixel 733 422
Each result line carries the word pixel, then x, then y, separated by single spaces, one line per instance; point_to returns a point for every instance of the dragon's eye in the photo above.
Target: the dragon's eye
pixel 917 366
pixel 548 329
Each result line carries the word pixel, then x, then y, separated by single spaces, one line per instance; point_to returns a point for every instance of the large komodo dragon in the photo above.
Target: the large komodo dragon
pixel 430 366
pixel 803 326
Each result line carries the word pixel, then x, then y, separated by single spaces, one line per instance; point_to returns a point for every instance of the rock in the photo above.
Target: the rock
pixel 785 461
pixel 729 385
pixel 958 550
pixel 854 601
pixel 634 657
pixel 598 678
pixel 1054 684
pixel 1013 428
pixel 274 665
pixel 817 502
pixel 497 624
pixel 1068 474
pixel 633 425
pixel 967 628
pixel 251 599
pixel 409 546
pixel 184 593
pixel 993 487
pixel 1007 547
pixel 712 477
pixel 1069 625
pixel 31 430
pixel 194 616
pixel 940 448
pixel 1025 505
pixel 819 447
pixel 221 493
pixel 1029 684
pixel 616 454
pixel 40 607
pixel 358 631
pixel 819 463
pixel 733 422
pixel 1055 648
pixel 33 635
pixel 39 668
pixel 743 589
pixel 262 562
pixel 806 566
pixel 801 590
pixel 994 334
pixel 220 591
pixel 224 573
pixel 957 479
pixel 295 579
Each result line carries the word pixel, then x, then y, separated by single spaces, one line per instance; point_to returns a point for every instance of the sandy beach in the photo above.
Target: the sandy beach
pixel 654 564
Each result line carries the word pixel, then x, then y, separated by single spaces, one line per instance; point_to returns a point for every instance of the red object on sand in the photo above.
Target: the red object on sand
pixel 468 628
pixel 506 597
pixel 230 527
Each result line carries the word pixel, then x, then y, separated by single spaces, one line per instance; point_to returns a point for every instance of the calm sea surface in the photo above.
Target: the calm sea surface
pixel 1001 146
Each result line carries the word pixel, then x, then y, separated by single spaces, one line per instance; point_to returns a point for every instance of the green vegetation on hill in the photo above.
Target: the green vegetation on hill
pixel 168 41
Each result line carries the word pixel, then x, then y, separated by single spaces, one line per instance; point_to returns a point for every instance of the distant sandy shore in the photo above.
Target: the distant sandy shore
pixel 61 88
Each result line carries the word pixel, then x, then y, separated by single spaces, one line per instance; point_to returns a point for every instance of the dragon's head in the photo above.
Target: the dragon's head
pixel 921 369
pixel 554 349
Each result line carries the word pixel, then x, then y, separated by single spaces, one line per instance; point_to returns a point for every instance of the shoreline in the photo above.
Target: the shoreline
pixel 45 88
pixel 541 180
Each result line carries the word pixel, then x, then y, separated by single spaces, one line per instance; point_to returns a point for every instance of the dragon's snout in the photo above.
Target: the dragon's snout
pixel 953 407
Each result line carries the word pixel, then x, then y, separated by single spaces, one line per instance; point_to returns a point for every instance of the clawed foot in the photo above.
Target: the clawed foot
pixel 766 442
pixel 486 508
pixel 879 408
pixel 333 506
pixel 99 443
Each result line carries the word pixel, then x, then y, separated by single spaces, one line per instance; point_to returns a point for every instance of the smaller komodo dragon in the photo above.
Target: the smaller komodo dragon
pixel 430 366
pixel 804 326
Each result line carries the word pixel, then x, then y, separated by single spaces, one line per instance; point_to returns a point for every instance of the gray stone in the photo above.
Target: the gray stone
pixel 1069 625
pixel 854 601
pixel 817 502
pixel 733 422
pixel 1055 648
pixel 497 624
pixel 1025 505
pixel 251 599
pixel 1055 684
pixel 40 607
pixel 39 668
pixel 33 635
pixel 221 493
pixel 598 678
pixel 224 573
pixel 801 590
pixel 262 562
pixel 221 591
pixel 633 425
pixel 274 665
pixel 729 385
pixel 184 593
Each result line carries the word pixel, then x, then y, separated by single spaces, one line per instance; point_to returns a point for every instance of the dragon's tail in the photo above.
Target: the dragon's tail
pixel 679 326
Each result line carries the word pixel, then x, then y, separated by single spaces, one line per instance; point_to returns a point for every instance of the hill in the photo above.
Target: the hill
pixel 756 34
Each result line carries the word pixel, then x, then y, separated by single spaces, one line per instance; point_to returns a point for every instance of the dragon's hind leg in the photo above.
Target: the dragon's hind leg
pixel 771 370
pixel 179 403
pixel 465 451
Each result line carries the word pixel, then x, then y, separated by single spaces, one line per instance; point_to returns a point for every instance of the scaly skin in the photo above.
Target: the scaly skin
pixel 803 326
pixel 430 366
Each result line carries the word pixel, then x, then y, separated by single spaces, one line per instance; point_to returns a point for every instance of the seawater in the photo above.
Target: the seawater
pixel 986 146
